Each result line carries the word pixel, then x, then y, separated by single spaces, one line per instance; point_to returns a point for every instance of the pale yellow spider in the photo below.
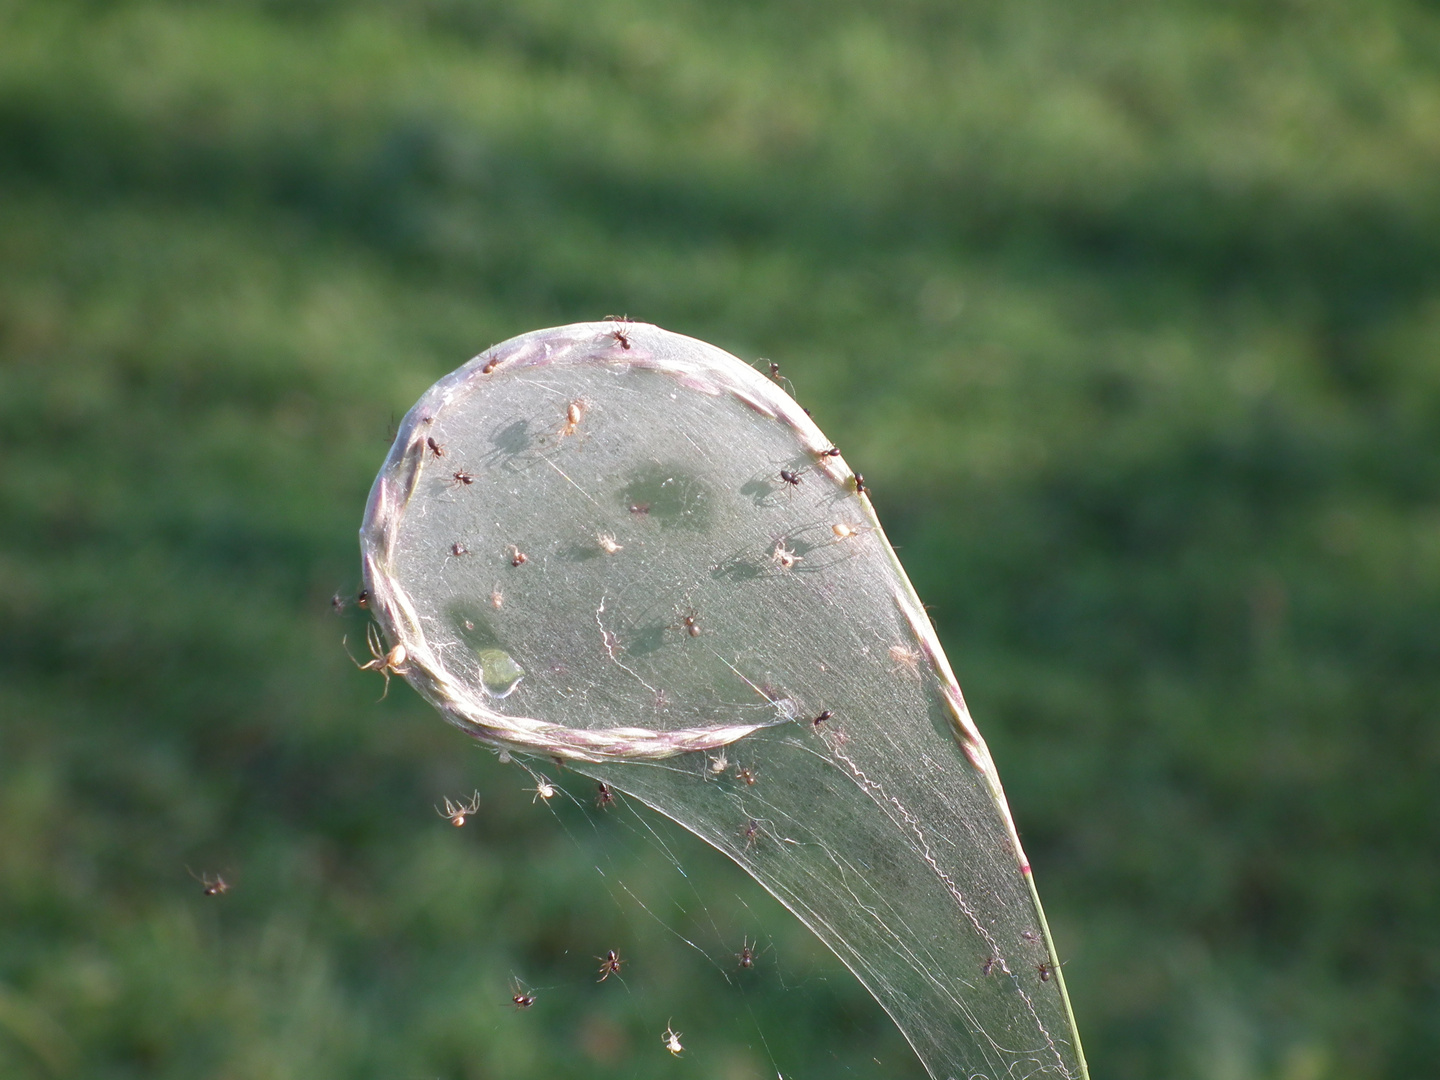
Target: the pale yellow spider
pixel 671 1039
pixel 456 813
pixel 387 663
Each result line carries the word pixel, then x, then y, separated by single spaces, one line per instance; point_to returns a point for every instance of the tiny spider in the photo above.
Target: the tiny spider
pixel 671 1039
pixel 826 715
pixel 746 776
pixel 517 557
pixel 843 531
pixel 833 451
pixel 606 543
pixel 751 832
pixel 521 998
pixel 860 488
pixel 991 964
pixel 609 965
pixel 688 624
pixel 746 955
pixel 719 763
pixel 211 886
pixel 791 477
pixel 338 604
pixel 387 663
pixel 459 478
pixel 639 509
pixel 457 548
pixel 906 658
pixel 436 450
pixel 604 797
pixel 456 813
pixel 362 599
pixel 621 338
pixel 784 557
pixel 543 789
pixel 1045 970
pixel 574 413
pixel 490 366
pixel 1030 935
pixel 497 599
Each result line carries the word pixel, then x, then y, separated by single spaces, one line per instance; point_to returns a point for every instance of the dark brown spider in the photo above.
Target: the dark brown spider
pixel 609 965
pixel 517 557
pixel 522 1000
pixel 463 478
pixel 211 886
pixel 436 450
pixel 490 366
pixel 790 477
pixel 362 599
pixel 860 488
pixel 745 776
pixel 990 965
pixel 621 338
pixel 1045 971
pixel 751 832
pixel 604 797
pixel 826 715
pixel 457 548
pixel 746 955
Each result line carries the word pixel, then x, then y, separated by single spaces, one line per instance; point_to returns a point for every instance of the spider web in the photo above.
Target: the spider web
pixel 660 574
pixel 703 952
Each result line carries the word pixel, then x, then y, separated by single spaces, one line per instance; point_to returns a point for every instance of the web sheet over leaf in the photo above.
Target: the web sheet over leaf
pixel 628 550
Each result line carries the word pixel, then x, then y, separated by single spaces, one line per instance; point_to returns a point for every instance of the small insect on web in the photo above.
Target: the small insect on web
pixel 609 965
pixel 574 413
pixel 387 663
pixel 211 885
pixel 671 1039
pixel 751 833
pixel 457 812
pixel 784 557
pixel 520 996
pixel 746 955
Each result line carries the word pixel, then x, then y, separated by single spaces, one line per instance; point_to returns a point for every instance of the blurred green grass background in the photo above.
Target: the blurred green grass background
pixel 1130 314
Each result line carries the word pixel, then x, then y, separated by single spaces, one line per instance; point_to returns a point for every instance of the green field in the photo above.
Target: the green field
pixel 1130 315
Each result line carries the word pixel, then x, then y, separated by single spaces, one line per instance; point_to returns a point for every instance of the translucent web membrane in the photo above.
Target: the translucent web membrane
pixel 628 550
